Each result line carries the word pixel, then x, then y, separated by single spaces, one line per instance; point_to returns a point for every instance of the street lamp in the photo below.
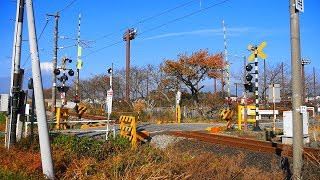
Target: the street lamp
pixel 304 62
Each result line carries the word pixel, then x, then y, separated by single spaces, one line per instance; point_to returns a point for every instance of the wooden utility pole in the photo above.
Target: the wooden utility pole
pixel 128 65
pixel 129 35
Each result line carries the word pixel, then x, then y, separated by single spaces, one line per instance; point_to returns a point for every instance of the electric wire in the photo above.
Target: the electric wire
pixel 48 20
pixel 147 19
pixel 157 27
pixel 185 16
pixel 37 40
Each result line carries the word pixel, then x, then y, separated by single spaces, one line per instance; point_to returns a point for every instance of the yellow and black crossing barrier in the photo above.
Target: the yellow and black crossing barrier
pixel 227 115
pixel 81 111
pixel 128 128
pixel 61 116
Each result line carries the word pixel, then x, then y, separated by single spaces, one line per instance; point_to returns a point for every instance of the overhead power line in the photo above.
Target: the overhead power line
pixel 157 27
pixel 185 16
pixel 147 19
pixel 48 20
pixel 93 52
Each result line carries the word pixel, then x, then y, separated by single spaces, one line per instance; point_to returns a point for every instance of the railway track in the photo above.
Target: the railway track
pixel 250 144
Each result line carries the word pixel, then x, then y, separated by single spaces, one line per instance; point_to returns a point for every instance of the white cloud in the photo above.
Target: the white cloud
pixel 46 67
pixel 209 32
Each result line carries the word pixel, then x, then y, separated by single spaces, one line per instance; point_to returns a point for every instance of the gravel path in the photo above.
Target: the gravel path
pixel 265 161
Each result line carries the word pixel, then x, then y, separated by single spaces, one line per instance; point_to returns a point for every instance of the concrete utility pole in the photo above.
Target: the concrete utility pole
pixel 128 36
pixel 46 157
pixel 54 65
pixel 264 84
pixel 15 76
pixel 227 63
pixel 245 117
pixel 215 86
pixel 282 86
pixel 79 64
pixel 314 85
pixel 296 91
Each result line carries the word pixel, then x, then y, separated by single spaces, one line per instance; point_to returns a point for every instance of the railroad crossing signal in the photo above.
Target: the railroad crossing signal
pixel 257 51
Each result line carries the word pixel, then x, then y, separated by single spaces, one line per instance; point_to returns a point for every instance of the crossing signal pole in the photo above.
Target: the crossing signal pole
pixel 16 74
pixel 257 51
pixel 63 89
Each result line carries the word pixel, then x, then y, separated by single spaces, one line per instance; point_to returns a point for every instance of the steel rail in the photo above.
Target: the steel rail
pixel 311 154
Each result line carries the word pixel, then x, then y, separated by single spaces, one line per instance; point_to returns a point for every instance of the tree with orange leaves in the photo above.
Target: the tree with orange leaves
pixel 193 69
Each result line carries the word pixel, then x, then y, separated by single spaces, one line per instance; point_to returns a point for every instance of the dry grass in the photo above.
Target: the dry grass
pixel 314 133
pixel 20 162
pixel 143 162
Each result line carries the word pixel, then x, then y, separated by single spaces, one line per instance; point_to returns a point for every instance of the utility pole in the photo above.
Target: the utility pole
pixel 46 156
pixel 245 117
pixel 296 90
pixel 128 65
pixel 78 66
pixel 54 65
pixel 129 35
pixel 282 86
pixel 264 84
pixel 314 85
pixel 236 89
pixel 147 83
pixel 227 64
pixel 215 85
pixel 15 77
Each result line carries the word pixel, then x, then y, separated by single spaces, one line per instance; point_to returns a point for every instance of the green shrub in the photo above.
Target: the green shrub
pixel 89 147
pixel 2 117
pixel 9 175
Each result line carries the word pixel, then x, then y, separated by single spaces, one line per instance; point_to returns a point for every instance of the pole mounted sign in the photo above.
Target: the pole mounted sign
pixel 178 98
pixel 299 5
pixel 259 51
pixel 109 101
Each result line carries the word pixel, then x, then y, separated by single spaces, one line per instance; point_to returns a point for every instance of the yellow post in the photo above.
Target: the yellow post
pixel 133 132
pixel 122 133
pixel 65 116
pixel 239 117
pixel 178 114
pixel 58 117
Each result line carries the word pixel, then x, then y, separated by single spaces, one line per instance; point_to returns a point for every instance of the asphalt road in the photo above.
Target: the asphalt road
pixel 100 132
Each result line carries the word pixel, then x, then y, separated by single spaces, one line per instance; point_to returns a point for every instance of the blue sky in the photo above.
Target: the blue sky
pixel 247 22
